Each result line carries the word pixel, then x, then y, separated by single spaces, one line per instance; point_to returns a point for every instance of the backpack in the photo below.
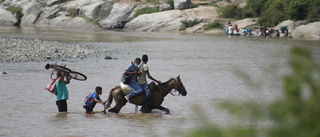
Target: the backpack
pixel 87 99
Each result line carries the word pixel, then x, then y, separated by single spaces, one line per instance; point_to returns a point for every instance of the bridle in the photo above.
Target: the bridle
pixel 175 89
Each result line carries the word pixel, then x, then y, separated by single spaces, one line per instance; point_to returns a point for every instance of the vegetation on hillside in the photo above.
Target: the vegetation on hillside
pixel 294 114
pixel 17 12
pixel 271 12
pixel 146 10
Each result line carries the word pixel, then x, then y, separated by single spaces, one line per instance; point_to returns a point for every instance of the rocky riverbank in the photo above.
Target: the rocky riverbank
pixel 22 50
pixel 114 15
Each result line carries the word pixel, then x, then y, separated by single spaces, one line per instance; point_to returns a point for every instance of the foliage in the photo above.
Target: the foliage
pixel 52 16
pixel 213 4
pixel 92 21
pixel 230 11
pixel 194 5
pixel 295 114
pixel 215 25
pixel 188 23
pixel 62 1
pixel 271 12
pixel 146 10
pixel 253 8
pixel 170 2
pixel 14 9
pixel 17 11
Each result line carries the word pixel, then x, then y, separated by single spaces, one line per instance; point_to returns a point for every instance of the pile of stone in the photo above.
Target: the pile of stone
pixel 22 50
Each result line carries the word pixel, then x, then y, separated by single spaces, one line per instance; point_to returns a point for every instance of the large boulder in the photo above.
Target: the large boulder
pixel 311 30
pixel 289 24
pixel 165 6
pixel 98 10
pixel 167 21
pixel 170 21
pixel 7 18
pixel 182 4
pixel 242 24
pixel 119 15
pixel 45 17
pixel 31 12
pixel 64 22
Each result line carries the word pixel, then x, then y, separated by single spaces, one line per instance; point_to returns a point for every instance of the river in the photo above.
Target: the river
pixel 213 68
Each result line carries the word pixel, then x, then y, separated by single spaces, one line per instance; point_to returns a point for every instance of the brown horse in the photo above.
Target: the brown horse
pixel 156 96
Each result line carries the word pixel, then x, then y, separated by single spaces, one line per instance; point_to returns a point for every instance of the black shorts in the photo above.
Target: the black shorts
pixel 88 108
pixel 62 105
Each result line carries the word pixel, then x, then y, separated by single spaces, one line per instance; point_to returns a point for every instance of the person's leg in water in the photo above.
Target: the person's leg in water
pixel 145 87
pixel 137 88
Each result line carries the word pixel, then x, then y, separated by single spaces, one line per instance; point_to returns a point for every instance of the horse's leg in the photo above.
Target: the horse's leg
pixel 117 107
pixel 119 100
pixel 164 109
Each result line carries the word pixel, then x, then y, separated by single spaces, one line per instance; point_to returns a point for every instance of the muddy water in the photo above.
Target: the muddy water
pixel 212 69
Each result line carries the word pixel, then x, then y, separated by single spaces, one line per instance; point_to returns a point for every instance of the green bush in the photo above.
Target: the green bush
pixel 146 10
pixel 52 16
pixel 294 114
pixel 272 12
pixel 14 9
pixel 188 23
pixel 213 4
pixel 230 11
pixel 253 8
pixel 170 2
pixel 17 11
pixel 62 1
pixel 215 25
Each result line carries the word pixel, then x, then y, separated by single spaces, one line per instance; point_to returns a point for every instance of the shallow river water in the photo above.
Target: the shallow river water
pixel 213 69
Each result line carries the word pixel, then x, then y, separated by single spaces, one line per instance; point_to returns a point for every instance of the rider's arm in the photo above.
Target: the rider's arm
pixel 150 77
pixel 128 72
pixel 99 101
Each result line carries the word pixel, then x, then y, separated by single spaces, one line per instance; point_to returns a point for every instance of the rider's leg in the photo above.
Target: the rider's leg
pixel 137 88
pixel 146 89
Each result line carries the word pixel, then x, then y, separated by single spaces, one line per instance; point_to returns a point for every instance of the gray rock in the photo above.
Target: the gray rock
pixel 51 2
pixel 3 72
pixel 31 12
pixel 118 16
pixel 311 30
pixel 107 57
pixel 98 10
pixel 167 21
pixel 7 18
pixel 165 6
pixel 182 4
pixel 64 22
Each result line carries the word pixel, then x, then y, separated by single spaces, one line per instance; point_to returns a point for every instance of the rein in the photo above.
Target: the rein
pixel 165 90
pixel 178 83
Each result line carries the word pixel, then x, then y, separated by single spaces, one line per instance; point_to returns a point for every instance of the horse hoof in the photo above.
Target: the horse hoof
pixel 167 111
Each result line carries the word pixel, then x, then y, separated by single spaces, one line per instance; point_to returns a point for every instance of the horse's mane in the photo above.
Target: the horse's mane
pixel 167 81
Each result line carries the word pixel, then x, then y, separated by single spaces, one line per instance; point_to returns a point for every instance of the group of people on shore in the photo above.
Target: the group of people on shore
pixel 137 72
pixel 232 29
pixel 265 32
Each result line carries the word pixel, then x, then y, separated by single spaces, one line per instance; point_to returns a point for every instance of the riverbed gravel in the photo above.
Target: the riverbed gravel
pixel 25 50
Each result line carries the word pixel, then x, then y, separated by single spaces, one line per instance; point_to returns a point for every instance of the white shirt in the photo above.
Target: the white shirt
pixel 143 76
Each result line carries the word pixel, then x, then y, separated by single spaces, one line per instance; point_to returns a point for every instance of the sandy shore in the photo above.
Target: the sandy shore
pixel 22 50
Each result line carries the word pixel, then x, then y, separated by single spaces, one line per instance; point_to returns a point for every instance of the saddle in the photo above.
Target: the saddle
pixel 126 88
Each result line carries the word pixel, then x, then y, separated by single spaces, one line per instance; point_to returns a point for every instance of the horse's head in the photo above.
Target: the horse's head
pixel 179 86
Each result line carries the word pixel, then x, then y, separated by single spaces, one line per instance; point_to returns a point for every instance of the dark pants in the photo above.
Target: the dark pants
pixel 88 108
pixel 62 105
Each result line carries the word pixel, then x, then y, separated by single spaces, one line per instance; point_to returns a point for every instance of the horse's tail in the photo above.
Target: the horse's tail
pixel 110 98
